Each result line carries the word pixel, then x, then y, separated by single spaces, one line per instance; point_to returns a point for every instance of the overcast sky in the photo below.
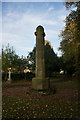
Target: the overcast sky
pixel 20 19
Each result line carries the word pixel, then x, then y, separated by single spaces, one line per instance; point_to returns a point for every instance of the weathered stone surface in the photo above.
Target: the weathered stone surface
pixel 40 82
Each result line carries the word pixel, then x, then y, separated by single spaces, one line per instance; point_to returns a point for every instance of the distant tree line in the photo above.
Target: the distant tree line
pixel 11 60
pixel 17 64
pixel 53 63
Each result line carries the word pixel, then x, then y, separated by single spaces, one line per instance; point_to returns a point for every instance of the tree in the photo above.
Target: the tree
pixel 51 60
pixel 11 60
pixel 71 38
pixel 7 57
pixel 31 59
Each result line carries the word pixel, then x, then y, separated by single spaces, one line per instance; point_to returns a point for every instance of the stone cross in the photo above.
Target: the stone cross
pixel 40 82
pixel 9 79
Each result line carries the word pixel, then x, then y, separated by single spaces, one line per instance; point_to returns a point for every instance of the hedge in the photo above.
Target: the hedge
pixel 18 76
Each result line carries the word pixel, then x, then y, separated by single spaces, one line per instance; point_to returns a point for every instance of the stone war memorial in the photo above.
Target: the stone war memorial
pixel 40 82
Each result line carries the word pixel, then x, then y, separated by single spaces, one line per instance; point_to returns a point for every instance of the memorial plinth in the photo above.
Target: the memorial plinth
pixel 40 82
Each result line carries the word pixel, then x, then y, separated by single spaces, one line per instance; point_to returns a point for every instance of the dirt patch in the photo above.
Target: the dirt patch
pixel 22 92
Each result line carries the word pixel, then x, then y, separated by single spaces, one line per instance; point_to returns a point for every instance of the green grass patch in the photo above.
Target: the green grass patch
pixel 21 82
pixel 67 84
pixel 13 108
pixel 58 82
pixel 37 108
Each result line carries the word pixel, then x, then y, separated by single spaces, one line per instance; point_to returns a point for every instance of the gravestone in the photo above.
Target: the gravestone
pixel 40 82
pixel 9 77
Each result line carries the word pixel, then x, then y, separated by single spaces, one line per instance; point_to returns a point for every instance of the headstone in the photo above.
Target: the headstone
pixel 40 82
pixel 9 78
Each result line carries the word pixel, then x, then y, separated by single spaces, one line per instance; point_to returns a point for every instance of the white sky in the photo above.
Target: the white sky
pixel 20 19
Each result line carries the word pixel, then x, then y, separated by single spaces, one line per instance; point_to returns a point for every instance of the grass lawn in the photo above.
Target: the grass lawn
pixel 21 82
pixel 67 84
pixel 23 108
pixel 42 106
